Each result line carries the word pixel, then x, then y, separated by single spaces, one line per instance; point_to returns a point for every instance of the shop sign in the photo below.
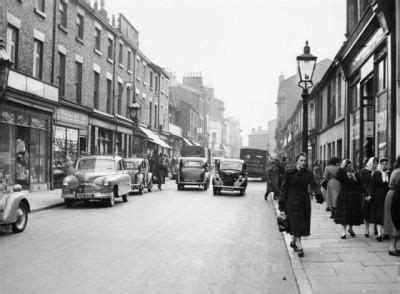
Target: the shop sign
pixel 73 117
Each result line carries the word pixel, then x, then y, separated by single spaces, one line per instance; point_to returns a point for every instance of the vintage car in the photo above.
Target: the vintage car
pixel 97 177
pixel 14 207
pixel 140 173
pixel 193 171
pixel 230 175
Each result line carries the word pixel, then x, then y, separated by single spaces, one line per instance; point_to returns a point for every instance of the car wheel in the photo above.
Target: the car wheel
pixel 125 198
pixel 141 187
pixel 205 187
pixel 215 191
pixel 22 218
pixel 68 202
pixel 241 192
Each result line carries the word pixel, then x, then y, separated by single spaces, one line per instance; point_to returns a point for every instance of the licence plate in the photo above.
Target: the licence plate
pixel 84 195
pixel 229 189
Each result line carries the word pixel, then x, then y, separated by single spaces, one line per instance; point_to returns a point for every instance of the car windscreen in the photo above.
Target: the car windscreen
pixel 197 164
pixel 95 163
pixel 230 165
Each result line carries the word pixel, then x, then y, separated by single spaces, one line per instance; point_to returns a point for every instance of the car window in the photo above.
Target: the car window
pixel 192 164
pixel 230 165
pixel 95 163
pixel 130 165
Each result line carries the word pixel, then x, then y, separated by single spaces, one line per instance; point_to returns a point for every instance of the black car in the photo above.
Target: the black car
pixel 230 175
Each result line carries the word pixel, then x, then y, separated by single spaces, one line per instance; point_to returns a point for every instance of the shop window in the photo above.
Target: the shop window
pixel 381 125
pixel 7 153
pixel 381 81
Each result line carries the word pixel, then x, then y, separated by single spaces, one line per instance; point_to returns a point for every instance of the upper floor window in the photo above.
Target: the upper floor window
pixel 119 97
pixel 144 72
pixel 129 61
pixel 97 38
pixel 121 54
pixel 61 75
pixel 80 25
pixel 12 44
pixel 110 48
pixel 78 78
pixel 37 59
pixel 63 13
pixel 40 5
pixel 109 95
pixel 151 80
pixel 96 90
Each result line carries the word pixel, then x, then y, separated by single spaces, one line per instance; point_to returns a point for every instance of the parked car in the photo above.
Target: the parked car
pixel 97 177
pixel 193 171
pixel 230 175
pixel 14 207
pixel 256 161
pixel 141 177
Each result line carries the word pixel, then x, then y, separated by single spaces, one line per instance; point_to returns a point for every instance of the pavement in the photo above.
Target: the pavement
pixel 332 265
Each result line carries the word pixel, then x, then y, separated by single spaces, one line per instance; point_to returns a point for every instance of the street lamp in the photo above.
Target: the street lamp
pixel 306 66
pixel 5 65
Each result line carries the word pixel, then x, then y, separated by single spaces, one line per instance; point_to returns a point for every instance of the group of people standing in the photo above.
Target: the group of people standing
pixel 369 196
pixel 159 166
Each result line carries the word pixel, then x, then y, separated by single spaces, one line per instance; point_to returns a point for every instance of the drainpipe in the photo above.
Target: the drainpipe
pixel 53 55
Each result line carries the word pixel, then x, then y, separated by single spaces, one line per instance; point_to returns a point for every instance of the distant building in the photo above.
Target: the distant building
pixel 271 137
pixel 259 138
pixel 233 137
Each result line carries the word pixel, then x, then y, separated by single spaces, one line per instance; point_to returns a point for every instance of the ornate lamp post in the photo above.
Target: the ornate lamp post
pixel 5 65
pixel 133 114
pixel 306 66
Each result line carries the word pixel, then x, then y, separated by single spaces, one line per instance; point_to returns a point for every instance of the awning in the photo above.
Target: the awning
pixel 187 141
pixel 154 138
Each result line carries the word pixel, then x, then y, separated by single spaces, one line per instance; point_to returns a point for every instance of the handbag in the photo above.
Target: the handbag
pixel 283 223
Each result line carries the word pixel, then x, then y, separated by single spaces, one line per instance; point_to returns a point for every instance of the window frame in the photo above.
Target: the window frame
pixel 63 9
pixel 79 79
pixel 80 23
pixel 62 60
pixel 37 71
pixel 97 38
pixel 96 90
pixel 13 45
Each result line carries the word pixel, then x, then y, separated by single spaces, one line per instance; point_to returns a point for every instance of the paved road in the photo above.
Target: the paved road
pixel 161 242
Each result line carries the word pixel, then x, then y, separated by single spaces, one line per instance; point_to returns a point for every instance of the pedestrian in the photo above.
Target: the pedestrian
pixel 162 170
pixel 294 201
pixel 273 179
pixel 348 206
pixel 68 166
pixel 366 174
pixel 379 187
pixel 317 172
pixel 389 217
pixel 331 184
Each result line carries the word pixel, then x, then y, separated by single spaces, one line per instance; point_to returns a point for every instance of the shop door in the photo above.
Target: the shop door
pixel 22 152
pixel 367 119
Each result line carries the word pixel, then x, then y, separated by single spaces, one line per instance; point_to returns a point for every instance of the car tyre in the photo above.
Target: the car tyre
pixel 68 202
pixel 241 192
pixel 141 188
pixel 22 218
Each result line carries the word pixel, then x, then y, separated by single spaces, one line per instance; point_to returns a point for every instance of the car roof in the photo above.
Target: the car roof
pixel 101 157
pixel 134 159
pixel 193 159
pixel 231 160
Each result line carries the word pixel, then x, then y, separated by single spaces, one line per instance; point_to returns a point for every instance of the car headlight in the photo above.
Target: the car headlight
pixel 106 183
pixel 101 181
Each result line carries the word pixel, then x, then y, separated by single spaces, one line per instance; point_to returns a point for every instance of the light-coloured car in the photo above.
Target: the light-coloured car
pixel 141 177
pixel 98 177
pixel 193 171
pixel 14 207
pixel 230 175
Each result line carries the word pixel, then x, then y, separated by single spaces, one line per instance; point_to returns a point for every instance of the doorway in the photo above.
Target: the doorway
pixel 367 119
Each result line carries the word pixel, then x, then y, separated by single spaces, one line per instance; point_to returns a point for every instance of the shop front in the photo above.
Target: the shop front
pixel 25 146
pixel 367 71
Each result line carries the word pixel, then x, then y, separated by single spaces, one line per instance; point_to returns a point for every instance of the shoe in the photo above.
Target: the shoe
pixel 394 252
pixel 328 209
pixel 343 236
pixel 351 232
pixel 332 215
pixel 375 232
pixel 294 246
pixel 366 235
pixel 266 196
pixel 379 238
pixel 300 253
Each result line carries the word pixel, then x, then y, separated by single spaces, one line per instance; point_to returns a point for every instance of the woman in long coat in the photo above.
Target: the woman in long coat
pixel 348 206
pixel 379 187
pixel 295 201
pixel 390 229
pixel 332 184
pixel 368 205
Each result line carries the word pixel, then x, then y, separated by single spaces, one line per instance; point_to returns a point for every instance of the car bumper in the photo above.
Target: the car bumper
pixel 230 188
pixel 87 195
pixel 191 183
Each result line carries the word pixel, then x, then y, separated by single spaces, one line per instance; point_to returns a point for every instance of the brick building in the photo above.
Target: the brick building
pixel 74 77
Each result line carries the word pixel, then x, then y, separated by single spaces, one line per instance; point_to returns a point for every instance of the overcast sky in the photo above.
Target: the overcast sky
pixel 240 46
